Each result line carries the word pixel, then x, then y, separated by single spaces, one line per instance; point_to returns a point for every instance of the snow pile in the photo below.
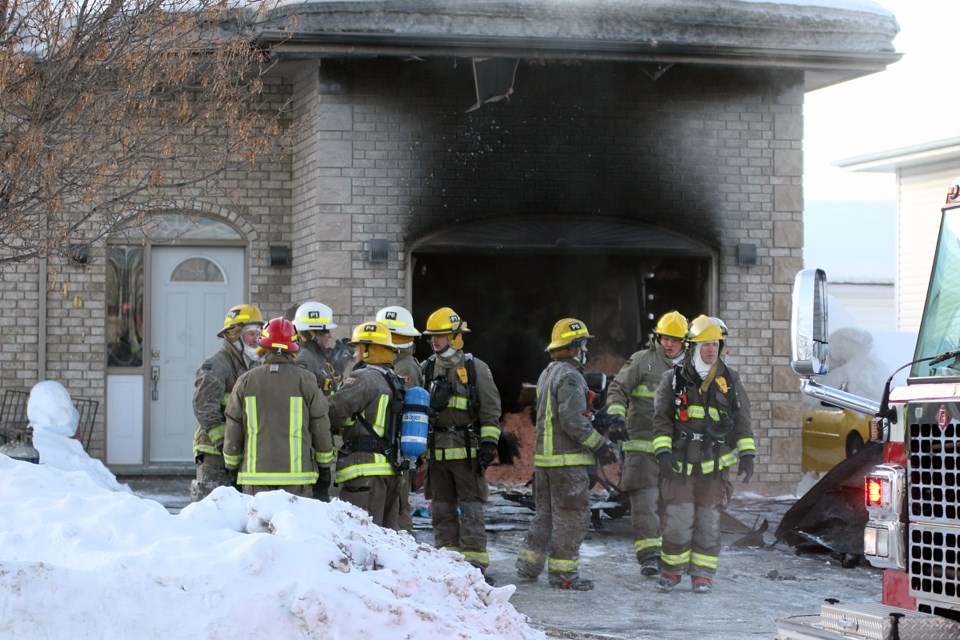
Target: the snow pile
pixel 50 407
pixel 54 418
pixel 78 560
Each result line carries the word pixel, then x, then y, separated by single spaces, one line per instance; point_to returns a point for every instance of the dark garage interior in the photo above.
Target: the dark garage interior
pixel 510 301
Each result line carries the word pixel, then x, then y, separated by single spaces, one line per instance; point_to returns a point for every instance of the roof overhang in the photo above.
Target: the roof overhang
pixel 943 152
pixel 830 43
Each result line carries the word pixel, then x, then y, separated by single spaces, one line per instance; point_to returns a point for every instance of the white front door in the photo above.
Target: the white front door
pixel 191 290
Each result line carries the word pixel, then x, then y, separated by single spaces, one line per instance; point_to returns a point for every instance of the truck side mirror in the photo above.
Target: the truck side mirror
pixel 808 323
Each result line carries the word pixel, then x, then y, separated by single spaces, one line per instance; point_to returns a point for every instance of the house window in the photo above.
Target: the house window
pixel 164 227
pixel 124 306
pixel 198 270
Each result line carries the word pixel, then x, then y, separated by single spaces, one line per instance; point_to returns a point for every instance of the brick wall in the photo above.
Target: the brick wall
pixel 386 149
pixel 710 152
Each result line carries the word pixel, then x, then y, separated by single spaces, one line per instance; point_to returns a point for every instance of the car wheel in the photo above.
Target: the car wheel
pixel 854 444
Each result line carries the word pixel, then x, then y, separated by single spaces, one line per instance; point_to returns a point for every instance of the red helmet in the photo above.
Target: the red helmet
pixel 279 334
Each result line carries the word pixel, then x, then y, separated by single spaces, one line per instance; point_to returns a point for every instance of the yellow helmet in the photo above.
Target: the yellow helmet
pixel 373 333
pixel 443 321
pixel 673 324
pixel 705 328
pixel 566 333
pixel 240 315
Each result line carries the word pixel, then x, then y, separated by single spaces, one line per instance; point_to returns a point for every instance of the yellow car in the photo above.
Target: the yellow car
pixel 830 435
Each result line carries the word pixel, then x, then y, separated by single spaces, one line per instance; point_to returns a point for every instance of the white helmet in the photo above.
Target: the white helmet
pixel 314 316
pixel 398 320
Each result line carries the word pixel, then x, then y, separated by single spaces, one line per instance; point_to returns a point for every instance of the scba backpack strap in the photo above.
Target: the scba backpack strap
pixel 473 397
pixel 390 441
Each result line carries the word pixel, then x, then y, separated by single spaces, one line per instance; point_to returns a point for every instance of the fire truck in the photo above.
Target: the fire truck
pixel 913 498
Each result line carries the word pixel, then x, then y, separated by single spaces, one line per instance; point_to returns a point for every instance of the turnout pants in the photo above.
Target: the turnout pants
pixel 559 526
pixel 691 523
pixel 640 479
pixel 377 495
pixel 210 474
pixel 453 485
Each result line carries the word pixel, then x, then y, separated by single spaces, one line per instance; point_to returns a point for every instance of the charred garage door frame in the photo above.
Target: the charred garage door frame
pixel 510 278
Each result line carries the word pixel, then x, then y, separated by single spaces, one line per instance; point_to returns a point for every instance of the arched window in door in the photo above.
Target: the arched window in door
pixel 125 274
pixel 198 270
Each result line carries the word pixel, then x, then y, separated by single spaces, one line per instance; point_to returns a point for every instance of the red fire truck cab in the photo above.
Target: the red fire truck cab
pixel 913 498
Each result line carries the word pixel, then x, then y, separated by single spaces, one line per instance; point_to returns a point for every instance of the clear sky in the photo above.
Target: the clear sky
pixel 914 101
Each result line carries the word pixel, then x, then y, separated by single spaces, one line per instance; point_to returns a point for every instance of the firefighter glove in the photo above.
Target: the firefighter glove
pixel 487 454
pixel 666 462
pixel 321 490
pixel 606 454
pixel 618 430
pixel 232 477
pixel 745 468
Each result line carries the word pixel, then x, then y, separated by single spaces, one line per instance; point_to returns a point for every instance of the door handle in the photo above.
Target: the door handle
pixel 155 376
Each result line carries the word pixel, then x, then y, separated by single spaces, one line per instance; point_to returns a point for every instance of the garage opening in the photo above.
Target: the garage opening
pixel 510 280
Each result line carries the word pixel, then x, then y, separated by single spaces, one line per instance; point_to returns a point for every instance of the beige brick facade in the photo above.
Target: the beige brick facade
pixel 386 149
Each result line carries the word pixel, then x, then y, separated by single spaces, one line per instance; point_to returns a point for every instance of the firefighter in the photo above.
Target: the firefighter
pixel 278 427
pixel 630 408
pixel 701 428
pixel 214 384
pixel 567 444
pixel 366 410
pixel 403 332
pixel 314 321
pixel 463 438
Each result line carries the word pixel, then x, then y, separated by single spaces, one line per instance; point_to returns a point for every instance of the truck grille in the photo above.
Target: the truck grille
pixel 934 538
pixel 934 472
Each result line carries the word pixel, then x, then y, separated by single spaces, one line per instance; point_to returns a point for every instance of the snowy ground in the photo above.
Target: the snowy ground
pixel 753 588
pixel 83 555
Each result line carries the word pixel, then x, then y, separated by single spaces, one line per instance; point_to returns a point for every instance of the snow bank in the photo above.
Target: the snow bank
pixel 82 557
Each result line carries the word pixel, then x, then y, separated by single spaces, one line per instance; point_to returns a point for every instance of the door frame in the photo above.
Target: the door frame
pixel 144 370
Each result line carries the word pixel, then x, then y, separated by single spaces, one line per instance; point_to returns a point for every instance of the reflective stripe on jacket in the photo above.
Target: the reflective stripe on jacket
pixel 632 392
pixel 565 435
pixel 214 383
pixel 448 442
pixel 691 441
pixel 367 393
pixel 278 428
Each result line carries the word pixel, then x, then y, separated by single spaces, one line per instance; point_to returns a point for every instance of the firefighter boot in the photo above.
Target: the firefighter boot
pixel 667 581
pixel 649 567
pixel 702 585
pixel 575 584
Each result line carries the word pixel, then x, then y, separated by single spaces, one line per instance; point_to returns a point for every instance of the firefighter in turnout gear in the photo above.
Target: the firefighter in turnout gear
pixel 630 409
pixel 567 444
pixel 214 384
pixel 314 321
pixel 365 411
pixel 463 438
pixel 403 331
pixel 278 428
pixel 701 428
